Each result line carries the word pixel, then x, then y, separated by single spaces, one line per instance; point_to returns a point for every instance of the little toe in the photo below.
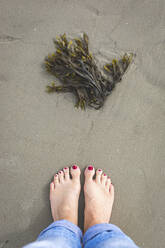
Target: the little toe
pixel 89 173
pixel 56 179
pixel 66 173
pixel 98 175
pixel 51 187
pixel 61 176
pixel 108 183
pixel 75 172
pixel 103 179
pixel 111 190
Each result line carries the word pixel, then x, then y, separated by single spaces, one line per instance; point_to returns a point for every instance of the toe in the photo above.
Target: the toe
pixel 108 183
pixel 61 176
pixel 112 190
pixel 89 172
pixel 51 186
pixel 98 175
pixel 103 178
pixel 66 173
pixel 75 172
pixel 56 179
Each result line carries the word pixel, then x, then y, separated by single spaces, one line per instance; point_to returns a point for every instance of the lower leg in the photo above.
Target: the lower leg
pixel 64 195
pixel 99 198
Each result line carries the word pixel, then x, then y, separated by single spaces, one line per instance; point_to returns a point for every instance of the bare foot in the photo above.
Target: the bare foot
pixel 99 197
pixel 64 195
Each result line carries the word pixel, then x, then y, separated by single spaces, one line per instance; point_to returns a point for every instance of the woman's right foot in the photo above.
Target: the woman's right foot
pixel 99 197
pixel 64 194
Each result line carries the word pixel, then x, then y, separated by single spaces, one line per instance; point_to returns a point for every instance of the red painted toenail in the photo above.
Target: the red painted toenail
pixel 60 172
pixel 65 168
pixel 56 175
pixel 104 174
pixel 74 167
pixel 99 170
pixel 90 167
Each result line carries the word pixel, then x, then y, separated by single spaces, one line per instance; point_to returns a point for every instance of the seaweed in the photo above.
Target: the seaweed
pixel 75 67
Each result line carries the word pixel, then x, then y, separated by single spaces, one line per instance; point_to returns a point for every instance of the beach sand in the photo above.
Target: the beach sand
pixel 41 133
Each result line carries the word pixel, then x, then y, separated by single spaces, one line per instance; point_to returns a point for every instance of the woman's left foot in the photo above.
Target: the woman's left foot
pixel 64 195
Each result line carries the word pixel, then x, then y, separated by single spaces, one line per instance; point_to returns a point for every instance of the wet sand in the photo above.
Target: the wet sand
pixel 41 133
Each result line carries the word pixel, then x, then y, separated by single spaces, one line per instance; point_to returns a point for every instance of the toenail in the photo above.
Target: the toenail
pixel 74 167
pixel 60 172
pixel 99 170
pixel 104 174
pixel 65 168
pixel 56 175
pixel 90 167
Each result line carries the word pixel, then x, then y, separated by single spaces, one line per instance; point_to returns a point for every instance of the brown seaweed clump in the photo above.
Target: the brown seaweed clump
pixel 75 67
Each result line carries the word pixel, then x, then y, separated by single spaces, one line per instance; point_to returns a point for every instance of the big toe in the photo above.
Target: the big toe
pixel 89 173
pixel 75 172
